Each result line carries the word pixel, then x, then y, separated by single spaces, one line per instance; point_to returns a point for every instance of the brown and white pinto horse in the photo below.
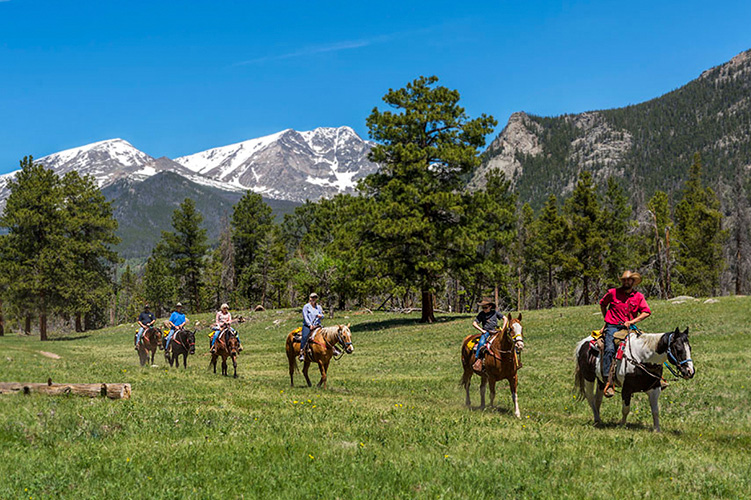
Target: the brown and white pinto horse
pixel 638 370
pixel 150 342
pixel 501 362
pixel 322 342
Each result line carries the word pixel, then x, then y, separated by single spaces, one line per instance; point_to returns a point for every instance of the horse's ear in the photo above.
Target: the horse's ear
pixel 349 324
pixel 520 317
pixel 677 330
pixel 509 317
pixel 340 328
pixel 685 332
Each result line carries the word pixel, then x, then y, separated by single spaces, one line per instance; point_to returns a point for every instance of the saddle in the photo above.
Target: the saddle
pixel 598 344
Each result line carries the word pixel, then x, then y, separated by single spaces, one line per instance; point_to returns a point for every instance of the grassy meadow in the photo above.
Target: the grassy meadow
pixel 391 425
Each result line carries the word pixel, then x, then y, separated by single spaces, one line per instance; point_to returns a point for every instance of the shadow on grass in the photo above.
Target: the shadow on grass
pixel 397 322
pixel 71 337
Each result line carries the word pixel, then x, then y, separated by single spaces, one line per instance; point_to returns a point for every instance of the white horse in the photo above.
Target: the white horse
pixel 639 369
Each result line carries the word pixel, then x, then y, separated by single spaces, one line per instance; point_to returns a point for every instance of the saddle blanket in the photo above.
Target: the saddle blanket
pixel 596 346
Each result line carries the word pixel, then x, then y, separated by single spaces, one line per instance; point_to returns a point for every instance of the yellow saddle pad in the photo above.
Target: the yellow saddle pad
pixel 596 334
pixel 472 343
pixel 297 330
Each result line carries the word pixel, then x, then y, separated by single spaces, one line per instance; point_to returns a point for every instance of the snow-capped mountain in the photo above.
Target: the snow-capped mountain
pixel 289 165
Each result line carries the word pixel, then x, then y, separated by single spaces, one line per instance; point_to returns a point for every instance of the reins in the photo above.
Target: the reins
pixel 671 357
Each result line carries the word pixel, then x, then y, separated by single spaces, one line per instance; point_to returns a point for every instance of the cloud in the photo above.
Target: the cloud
pixel 332 47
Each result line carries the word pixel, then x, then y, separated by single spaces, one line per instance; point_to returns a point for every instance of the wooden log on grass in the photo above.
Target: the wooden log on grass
pixel 112 391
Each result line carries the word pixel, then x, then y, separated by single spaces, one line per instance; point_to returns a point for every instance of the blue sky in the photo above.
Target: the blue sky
pixel 176 78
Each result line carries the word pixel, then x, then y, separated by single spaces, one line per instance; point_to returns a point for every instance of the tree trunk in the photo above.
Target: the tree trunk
pixel 43 326
pixel 2 322
pixel 79 325
pixel 668 291
pixel 427 307
pixel 112 391
pixel 495 295
pixel 27 324
pixel 550 286
pixel 585 294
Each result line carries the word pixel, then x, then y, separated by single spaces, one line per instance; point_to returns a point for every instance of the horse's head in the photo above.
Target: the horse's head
pixel 344 336
pixel 232 342
pixel 515 331
pixel 190 341
pixel 679 353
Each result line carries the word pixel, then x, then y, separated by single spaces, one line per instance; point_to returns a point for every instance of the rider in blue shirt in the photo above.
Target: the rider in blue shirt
pixel 176 321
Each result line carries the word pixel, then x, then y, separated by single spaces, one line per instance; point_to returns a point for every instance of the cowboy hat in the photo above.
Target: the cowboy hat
pixel 224 306
pixel 486 302
pixel 179 304
pixel 634 276
pixel 313 296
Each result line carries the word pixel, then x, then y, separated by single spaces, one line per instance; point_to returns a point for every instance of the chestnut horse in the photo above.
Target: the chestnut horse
pixel 150 341
pixel 227 346
pixel 321 342
pixel 183 343
pixel 501 361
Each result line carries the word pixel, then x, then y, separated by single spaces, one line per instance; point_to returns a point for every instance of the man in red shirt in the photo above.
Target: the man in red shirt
pixel 621 307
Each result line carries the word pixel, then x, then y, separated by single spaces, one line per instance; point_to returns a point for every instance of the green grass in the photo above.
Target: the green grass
pixel 391 425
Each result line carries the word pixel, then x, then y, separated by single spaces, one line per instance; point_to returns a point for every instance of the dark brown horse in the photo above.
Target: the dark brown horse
pixel 501 361
pixel 150 341
pixel 182 344
pixel 226 346
pixel 321 342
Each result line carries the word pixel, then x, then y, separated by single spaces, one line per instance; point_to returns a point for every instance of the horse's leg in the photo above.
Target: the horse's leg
pixel 626 407
pixel 599 394
pixel 484 383
pixel 153 353
pixel 305 371
pixel 491 386
pixel 224 366
pixel 467 380
pixel 185 360
pixel 654 395
pixel 322 368
pixel 292 363
pixel 589 394
pixel 234 364
pixel 512 384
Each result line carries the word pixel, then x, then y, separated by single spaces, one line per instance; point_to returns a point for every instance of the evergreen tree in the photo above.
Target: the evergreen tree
pixel 698 222
pixel 585 237
pixel 159 283
pixel 90 236
pixel 34 250
pixel 617 238
pixel 552 231
pixel 185 249
pixel 251 221
pixel 423 150
pixel 659 236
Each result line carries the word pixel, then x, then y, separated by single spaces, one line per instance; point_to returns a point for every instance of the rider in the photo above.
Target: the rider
pixel 486 322
pixel 311 319
pixel 176 321
pixel 145 321
pixel 621 307
pixel 223 320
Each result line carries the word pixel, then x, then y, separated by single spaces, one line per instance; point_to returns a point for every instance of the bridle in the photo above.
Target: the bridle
pixel 339 340
pixel 673 359
pixel 184 333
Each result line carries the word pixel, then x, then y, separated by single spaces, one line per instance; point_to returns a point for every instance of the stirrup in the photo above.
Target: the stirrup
pixel 478 365
pixel 611 393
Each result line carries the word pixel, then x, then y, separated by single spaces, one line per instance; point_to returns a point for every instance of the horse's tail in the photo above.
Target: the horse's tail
pixel 290 347
pixel 578 375
pixel 465 356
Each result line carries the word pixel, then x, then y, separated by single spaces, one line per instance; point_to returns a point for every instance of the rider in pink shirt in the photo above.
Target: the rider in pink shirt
pixel 223 319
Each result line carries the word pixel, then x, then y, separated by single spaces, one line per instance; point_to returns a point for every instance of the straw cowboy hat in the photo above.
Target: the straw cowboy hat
pixel 313 296
pixel 628 274
pixel 486 302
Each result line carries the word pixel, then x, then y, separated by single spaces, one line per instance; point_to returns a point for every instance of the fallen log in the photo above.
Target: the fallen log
pixel 112 391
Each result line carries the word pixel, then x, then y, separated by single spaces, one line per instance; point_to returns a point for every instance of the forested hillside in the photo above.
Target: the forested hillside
pixel 649 145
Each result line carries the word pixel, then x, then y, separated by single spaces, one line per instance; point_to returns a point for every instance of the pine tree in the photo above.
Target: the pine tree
pixel 185 249
pixel 659 236
pixel 552 231
pixel 423 150
pixel 35 250
pixel 698 223
pixel 585 237
pixel 90 237
pixel 616 225
pixel 251 221
pixel 159 283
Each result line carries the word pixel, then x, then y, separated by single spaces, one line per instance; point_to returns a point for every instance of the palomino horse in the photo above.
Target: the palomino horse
pixel 321 342
pixel 227 346
pixel 183 343
pixel 638 369
pixel 501 362
pixel 150 341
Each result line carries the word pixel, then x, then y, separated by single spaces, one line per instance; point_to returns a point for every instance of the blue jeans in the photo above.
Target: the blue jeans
pixel 139 334
pixel 305 336
pixel 607 357
pixel 169 338
pixel 481 342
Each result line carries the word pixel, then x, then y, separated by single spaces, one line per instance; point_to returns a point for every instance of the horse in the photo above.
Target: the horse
pixel 638 369
pixel 183 343
pixel 501 362
pixel 227 346
pixel 150 341
pixel 321 343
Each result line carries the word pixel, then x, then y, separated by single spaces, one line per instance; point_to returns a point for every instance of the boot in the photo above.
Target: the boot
pixel 477 366
pixel 302 355
pixel 240 348
pixel 609 387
